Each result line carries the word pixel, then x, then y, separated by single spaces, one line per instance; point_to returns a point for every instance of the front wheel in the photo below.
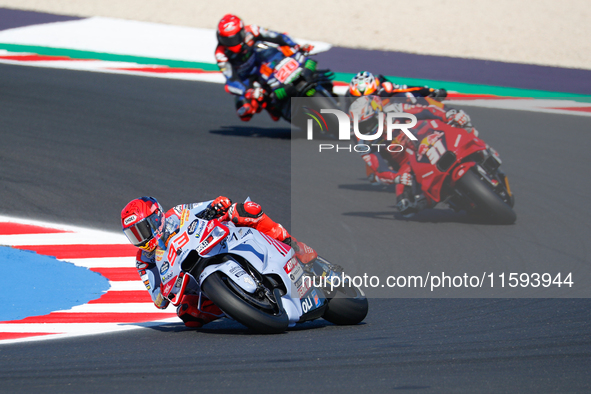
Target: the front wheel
pixel 256 312
pixel 488 204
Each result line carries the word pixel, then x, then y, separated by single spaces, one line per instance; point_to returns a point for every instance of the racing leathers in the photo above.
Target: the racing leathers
pixel 241 70
pixel 386 88
pixel 195 309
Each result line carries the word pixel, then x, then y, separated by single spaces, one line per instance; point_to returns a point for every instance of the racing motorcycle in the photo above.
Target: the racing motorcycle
pixel 286 73
pixel 253 278
pixel 452 165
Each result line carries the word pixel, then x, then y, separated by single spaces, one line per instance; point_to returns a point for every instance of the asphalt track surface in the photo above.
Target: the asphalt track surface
pixel 77 146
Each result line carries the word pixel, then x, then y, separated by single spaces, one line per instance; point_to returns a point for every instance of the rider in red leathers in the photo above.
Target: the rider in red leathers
pixel 149 228
pixel 237 61
pixel 385 167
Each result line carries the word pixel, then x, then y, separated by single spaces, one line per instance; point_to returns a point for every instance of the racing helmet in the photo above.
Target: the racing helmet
pixel 143 222
pixel 231 32
pixel 363 84
pixel 367 110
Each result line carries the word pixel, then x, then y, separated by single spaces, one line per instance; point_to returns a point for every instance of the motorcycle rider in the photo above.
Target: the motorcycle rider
pixel 235 58
pixel 384 167
pixel 365 83
pixel 149 228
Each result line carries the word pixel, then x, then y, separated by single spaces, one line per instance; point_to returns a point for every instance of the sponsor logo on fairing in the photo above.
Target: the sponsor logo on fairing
pixel 166 277
pixel 303 287
pixel 306 304
pixel 237 271
pixel 159 254
pixel 192 227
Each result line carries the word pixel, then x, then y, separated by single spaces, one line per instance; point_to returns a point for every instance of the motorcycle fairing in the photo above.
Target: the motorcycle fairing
pixel 437 138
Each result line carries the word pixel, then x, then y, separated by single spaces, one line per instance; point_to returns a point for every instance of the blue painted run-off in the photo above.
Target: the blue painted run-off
pixel 35 285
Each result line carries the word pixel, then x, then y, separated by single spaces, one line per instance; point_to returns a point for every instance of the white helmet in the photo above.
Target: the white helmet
pixel 363 84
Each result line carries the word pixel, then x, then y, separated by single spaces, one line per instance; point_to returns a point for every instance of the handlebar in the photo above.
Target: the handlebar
pixel 207 214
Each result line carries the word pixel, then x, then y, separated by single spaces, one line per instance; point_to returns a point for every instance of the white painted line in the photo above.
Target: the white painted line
pixel 103 262
pixel 64 239
pixel 127 286
pixel 131 307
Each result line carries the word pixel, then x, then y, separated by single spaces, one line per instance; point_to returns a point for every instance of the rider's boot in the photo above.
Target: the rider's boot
pixel 406 203
pixel 303 252
pixel 196 317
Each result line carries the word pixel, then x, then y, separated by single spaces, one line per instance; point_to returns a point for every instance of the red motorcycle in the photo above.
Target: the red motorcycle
pixel 452 165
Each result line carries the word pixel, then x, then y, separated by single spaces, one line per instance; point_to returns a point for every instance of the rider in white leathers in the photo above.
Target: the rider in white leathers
pixel 147 226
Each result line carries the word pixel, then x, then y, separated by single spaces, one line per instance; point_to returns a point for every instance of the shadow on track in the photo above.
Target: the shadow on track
pixel 367 187
pixel 440 214
pixel 252 131
pixel 426 216
pixel 231 327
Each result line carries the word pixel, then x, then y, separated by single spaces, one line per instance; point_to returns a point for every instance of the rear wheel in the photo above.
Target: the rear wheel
pixel 349 306
pixel 256 312
pixel 489 205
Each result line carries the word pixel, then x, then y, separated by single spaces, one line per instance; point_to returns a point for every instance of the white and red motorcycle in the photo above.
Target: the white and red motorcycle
pixel 253 278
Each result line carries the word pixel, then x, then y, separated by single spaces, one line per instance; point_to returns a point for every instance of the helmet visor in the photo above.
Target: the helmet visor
pixel 231 41
pixel 139 233
pixel 142 232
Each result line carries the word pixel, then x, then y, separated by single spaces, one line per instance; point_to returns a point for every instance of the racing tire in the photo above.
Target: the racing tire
pixel 348 307
pixel 220 292
pixel 489 205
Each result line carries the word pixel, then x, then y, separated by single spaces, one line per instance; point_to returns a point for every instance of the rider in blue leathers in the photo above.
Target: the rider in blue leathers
pixel 235 56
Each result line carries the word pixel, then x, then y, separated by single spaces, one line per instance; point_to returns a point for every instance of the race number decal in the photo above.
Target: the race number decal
pixel 432 146
pixel 175 245
pixel 285 69
pixel 434 153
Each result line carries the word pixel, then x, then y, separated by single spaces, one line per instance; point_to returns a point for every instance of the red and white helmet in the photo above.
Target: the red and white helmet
pixel 231 32
pixel 143 221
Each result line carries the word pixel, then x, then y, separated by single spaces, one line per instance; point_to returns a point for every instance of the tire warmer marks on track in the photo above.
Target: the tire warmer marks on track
pixel 126 305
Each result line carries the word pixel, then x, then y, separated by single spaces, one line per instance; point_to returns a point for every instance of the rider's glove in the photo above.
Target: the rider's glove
pixel 247 110
pixel 458 118
pixel 220 205
pixel 306 48
pixel 255 94
pixel 405 179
